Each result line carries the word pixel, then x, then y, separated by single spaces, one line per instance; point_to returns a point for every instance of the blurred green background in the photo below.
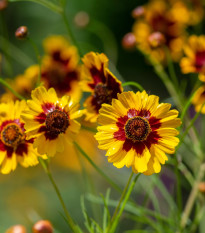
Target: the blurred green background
pixel 26 195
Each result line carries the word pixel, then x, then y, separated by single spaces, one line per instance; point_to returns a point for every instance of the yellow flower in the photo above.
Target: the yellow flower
pixel 160 17
pixel 22 84
pixel 50 120
pixel 14 147
pixel 60 67
pixel 199 100
pixel 194 62
pixel 137 131
pixel 97 79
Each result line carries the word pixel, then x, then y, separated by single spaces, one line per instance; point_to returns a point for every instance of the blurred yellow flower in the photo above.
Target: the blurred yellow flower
pixel 162 17
pixel 194 62
pixel 14 147
pixel 137 131
pixel 22 84
pixel 97 79
pixel 60 67
pixel 51 120
pixel 199 100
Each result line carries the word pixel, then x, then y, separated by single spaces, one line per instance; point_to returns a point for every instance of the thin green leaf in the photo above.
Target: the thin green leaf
pixel 45 3
pixel 106 213
pixel 87 218
pixel 15 53
pixel 132 208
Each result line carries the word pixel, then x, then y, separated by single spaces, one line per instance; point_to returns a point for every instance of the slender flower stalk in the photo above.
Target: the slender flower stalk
pixel 122 202
pixel 115 186
pixel 192 197
pixel 135 84
pixel 70 221
pixel 70 33
pixel 38 59
pixel 4 83
pixel 171 68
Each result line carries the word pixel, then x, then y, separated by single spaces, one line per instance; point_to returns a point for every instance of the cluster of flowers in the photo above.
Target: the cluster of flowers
pixel 135 129
pixel 161 27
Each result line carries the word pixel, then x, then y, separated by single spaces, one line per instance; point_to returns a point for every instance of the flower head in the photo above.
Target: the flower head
pixel 97 79
pixel 50 120
pixel 161 17
pixel 14 147
pixel 199 100
pixel 60 67
pixel 194 62
pixel 137 131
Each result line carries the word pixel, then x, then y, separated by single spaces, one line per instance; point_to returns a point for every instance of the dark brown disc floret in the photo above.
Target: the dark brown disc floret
pixel 12 135
pixel 102 94
pixel 57 122
pixel 137 129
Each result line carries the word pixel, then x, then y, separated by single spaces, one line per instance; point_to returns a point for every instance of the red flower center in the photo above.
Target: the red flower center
pixel 137 129
pixel 12 135
pixel 200 61
pixel 57 122
pixel 102 94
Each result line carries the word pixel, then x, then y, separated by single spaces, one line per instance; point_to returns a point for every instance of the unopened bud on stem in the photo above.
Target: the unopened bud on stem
pixel 156 39
pixel 16 229
pixel 129 41
pixel 21 32
pixel 202 187
pixel 138 12
pixel 42 226
pixel 82 19
pixel 3 4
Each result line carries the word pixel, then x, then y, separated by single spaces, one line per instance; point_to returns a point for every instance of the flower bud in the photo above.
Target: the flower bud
pixel 82 19
pixel 202 187
pixel 129 41
pixel 3 4
pixel 138 12
pixel 21 32
pixel 156 39
pixel 42 226
pixel 16 229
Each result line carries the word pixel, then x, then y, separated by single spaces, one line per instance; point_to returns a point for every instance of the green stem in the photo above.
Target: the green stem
pixel 38 59
pixel 70 221
pixel 70 33
pixel 179 191
pixel 115 186
pixel 189 127
pixel 135 84
pixel 121 205
pixel 5 43
pixel 171 68
pixel 4 83
pixel 159 70
pixel 192 197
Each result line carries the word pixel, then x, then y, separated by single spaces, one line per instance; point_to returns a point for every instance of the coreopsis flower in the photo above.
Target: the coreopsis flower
pixel 199 100
pixel 194 62
pixel 14 147
pixel 97 79
pixel 22 84
pixel 51 120
pixel 137 131
pixel 60 67
pixel 159 17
